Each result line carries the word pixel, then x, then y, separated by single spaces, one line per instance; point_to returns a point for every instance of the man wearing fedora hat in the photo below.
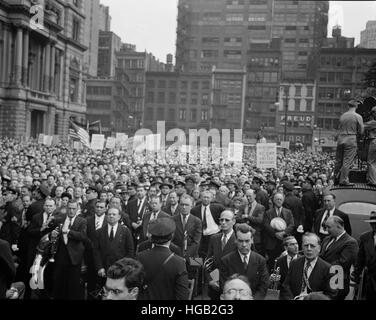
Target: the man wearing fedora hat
pixel 350 125
pixel 367 259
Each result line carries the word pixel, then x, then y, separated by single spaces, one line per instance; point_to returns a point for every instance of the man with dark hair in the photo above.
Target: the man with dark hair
pixel 246 262
pixel 339 249
pixel 321 215
pixel 309 273
pixel 124 281
pixel 88 209
pixel 350 125
pixel 155 212
pixel 166 275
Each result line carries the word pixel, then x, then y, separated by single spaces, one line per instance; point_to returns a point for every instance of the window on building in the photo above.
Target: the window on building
pixel 290 40
pixel 162 84
pixel 205 99
pixel 298 91
pixel 194 98
pixel 184 85
pixel 193 117
pixel 161 97
pixel 194 85
pixel 290 27
pixel 76 29
pixel 73 89
pixel 205 85
pixel 204 115
pixel 171 114
pixel 234 17
pixel 209 53
pixel 297 104
pixel 210 40
pixel 183 97
pixel 160 113
pixel 172 97
pixel 309 91
pixel 182 114
pixel 257 27
pixel 232 54
pixel 309 105
pixel 150 83
pixel 303 40
pixel 150 97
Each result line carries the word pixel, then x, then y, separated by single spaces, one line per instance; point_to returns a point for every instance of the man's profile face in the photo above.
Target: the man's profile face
pixel 115 289
pixel 292 247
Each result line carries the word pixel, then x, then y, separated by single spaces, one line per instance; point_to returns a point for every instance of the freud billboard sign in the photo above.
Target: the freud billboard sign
pixel 297 120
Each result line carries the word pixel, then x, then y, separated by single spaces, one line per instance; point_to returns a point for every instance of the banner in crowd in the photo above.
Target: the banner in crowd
pixel 110 143
pixel 266 155
pixel 121 140
pixel 285 144
pixel 97 141
pixel 235 152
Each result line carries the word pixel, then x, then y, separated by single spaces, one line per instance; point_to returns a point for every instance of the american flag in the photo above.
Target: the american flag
pixel 78 133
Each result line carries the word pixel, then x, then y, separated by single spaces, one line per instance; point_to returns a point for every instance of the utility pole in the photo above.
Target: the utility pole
pixel 285 90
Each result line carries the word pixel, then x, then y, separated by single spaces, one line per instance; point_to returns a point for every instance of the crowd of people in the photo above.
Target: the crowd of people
pixel 84 224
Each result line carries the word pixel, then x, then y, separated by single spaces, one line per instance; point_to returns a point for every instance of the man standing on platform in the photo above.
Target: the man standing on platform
pixel 350 125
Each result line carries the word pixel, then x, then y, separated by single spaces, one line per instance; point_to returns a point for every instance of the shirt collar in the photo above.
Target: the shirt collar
pixel 228 235
pixel 313 262
pixel 242 255
pixel 344 231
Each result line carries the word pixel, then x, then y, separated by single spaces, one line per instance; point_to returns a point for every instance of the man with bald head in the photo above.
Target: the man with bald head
pixel 339 249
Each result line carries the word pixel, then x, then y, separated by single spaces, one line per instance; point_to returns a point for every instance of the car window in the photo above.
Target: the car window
pixel 357 208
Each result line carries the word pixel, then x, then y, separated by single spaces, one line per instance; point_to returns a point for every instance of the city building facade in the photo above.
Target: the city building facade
pixel 219 32
pixel 41 63
pixel 368 36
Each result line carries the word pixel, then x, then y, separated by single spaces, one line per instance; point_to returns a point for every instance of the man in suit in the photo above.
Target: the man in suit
pixel 94 223
pixel 165 191
pixel 310 203
pixel 321 215
pixel 221 244
pixel 273 239
pixel 88 208
pixel 172 208
pixel 339 249
pixel 188 231
pixel 114 241
pixel 246 262
pixel 69 255
pixel 261 195
pixel 309 273
pixel 7 268
pixel 283 263
pixel 367 259
pixel 209 215
pixel 166 275
pixel 254 216
pixel 124 281
pixel 295 205
pixel 39 195
pixel 135 210
pixel 155 212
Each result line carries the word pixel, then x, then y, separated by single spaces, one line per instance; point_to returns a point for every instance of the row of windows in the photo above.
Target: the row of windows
pixel 172 84
pixel 264 62
pixel 335 93
pixel 337 108
pixel 183 114
pixel 335 77
pixel 172 98
pixel 99 91
pixel 131 63
pixel 342 61
pixel 97 104
pixel 328 124
pixel 295 40
pixel 260 91
pixel 263 76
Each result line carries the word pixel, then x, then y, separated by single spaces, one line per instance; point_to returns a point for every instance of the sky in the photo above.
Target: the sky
pixel 151 24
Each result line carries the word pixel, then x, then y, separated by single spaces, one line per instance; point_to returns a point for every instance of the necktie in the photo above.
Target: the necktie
pixel 332 240
pixel 184 221
pixel 97 224
pixel 323 225
pixel 305 283
pixel 70 223
pixel 154 216
pixel 224 241
pixel 112 234
pixel 245 262
pixel 204 223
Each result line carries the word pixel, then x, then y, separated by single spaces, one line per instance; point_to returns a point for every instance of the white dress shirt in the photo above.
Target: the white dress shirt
pixel 331 212
pixel 212 227
pixel 99 221
pixel 247 255
pixel 115 229
pixel 67 221
pixel 227 235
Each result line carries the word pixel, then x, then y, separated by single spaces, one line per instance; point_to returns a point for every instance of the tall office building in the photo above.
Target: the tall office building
pixel 91 35
pixel 368 36
pixel 220 32
pixel 104 18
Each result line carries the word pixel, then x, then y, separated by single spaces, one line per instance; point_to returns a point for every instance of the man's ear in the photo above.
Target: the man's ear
pixel 134 292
